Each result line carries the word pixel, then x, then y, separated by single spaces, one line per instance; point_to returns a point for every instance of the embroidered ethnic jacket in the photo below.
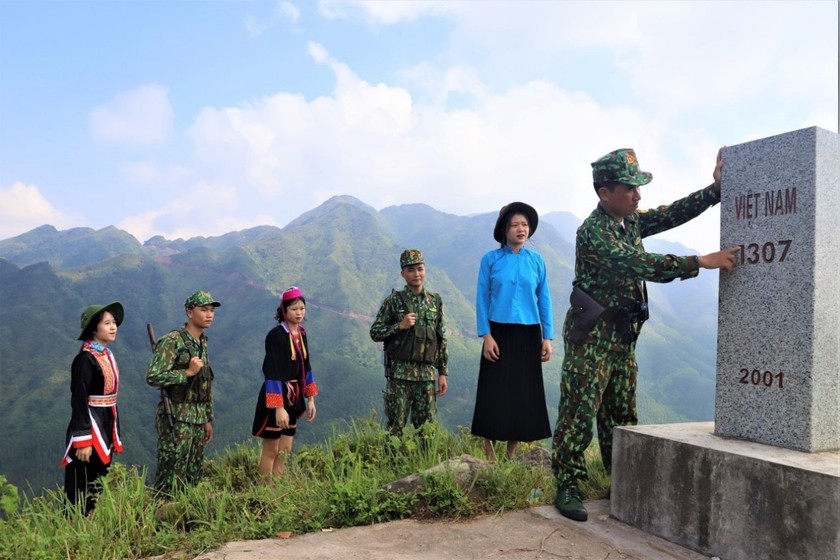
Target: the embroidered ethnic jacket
pixel 168 370
pixel 286 361
pixel 611 263
pixel 94 383
pixel 428 307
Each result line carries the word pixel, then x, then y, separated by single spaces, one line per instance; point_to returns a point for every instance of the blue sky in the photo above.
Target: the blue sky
pixel 186 118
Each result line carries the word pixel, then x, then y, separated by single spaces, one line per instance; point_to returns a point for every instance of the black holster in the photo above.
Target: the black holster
pixel 627 316
pixel 585 313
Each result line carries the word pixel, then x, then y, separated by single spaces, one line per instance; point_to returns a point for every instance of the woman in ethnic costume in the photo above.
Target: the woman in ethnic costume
pixel 514 318
pixel 289 389
pixel 94 429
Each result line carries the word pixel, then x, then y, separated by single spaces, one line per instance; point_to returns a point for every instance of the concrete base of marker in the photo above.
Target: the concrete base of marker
pixel 723 497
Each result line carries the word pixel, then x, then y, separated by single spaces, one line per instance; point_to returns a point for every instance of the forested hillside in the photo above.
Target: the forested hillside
pixel 344 255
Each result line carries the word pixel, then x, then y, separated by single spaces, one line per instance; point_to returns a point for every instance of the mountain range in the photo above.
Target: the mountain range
pixel 344 256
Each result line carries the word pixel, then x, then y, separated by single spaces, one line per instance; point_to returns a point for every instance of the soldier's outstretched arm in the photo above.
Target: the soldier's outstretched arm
pixel 724 259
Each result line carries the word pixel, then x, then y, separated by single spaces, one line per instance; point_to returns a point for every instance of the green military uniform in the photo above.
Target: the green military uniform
pixel 181 436
pixel 611 265
pixel 415 356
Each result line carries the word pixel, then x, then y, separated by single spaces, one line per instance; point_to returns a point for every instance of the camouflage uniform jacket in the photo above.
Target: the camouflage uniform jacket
pixel 429 309
pixel 168 369
pixel 611 264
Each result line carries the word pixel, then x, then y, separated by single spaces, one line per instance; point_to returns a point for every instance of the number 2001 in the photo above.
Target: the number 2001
pixel 757 377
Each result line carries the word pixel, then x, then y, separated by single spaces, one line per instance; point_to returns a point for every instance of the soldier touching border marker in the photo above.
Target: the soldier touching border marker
pixel 608 308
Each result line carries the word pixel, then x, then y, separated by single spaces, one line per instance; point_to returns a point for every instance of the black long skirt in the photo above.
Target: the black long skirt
pixel 510 400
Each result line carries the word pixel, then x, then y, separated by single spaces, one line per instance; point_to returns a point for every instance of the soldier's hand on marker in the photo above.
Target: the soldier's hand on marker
pixel 408 321
pixel 208 433
pixel 282 418
pixel 442 385
pixel 490 350
pixel 545 355
pixel 718 172
pixel 310 409
pixel 724 259
pixel 83 453
pixel 194 366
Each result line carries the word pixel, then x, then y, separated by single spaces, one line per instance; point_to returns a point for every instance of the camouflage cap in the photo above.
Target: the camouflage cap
pixel 410 257
pixel 200 299
pixel 115 309
pixel 620 166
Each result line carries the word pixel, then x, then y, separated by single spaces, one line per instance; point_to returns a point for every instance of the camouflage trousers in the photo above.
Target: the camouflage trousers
pixel 597 386
pixel 403 397
pixel 179 458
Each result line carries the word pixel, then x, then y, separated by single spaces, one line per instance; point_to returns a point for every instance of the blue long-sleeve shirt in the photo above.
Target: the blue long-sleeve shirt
pixel 513 288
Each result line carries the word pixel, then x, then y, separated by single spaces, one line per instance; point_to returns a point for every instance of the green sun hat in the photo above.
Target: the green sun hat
pixel 410 257
pixel 620 166
pixel 200 299
pixel 115 309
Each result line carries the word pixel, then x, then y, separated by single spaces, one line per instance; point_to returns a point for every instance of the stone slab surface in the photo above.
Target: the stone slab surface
pixel 729 498
pixel 538 532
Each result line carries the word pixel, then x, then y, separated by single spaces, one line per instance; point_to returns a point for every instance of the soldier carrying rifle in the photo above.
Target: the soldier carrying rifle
pixel 180 366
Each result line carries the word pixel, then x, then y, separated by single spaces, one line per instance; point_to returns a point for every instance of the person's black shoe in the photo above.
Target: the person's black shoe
pixel 569 504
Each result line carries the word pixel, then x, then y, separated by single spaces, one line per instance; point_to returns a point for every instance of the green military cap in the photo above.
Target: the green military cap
pixel 410 257
pixel 620 166
pixel 115 309
pixel 200 299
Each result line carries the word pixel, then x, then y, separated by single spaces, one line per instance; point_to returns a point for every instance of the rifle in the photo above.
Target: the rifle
pixel 164 395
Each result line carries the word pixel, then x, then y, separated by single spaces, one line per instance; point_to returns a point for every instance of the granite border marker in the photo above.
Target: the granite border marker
pixel 778 364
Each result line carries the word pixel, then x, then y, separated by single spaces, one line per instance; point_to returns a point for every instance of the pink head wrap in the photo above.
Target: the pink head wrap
pixel 291 293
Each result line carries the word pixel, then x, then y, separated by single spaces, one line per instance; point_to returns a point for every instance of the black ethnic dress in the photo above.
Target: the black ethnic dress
pixel 289 381
pixel 94 383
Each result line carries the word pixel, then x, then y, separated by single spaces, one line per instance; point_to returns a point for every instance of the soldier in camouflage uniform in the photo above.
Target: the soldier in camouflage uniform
pixel 411 324
pixel 609 306
pixel 181 367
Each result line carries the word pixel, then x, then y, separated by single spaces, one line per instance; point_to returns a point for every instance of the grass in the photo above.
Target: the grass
pixel 339 483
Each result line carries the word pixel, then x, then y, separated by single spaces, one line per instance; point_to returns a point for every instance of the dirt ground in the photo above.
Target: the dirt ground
pixel 539 532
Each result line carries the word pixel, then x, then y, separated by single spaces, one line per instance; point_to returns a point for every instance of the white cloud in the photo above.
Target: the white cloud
pixel 136 117
pixel 376 143
pixel 202 208
pixel 288 10
pixel 154 174
pixel 384 13
pixel 283 11
pixel 23 207
pixel 514 104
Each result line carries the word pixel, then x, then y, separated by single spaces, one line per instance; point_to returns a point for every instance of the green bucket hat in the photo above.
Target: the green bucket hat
pixel 115 309
pixel 200 299
pixel 620 166
pixel 410 257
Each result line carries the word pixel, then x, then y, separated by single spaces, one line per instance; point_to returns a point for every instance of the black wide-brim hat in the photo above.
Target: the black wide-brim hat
pixel 515 208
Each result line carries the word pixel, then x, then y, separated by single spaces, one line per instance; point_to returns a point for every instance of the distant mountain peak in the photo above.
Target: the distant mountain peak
pixel 329 206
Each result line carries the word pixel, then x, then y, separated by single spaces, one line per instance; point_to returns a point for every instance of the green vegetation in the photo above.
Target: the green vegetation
pixel 344 255
pixel 339 483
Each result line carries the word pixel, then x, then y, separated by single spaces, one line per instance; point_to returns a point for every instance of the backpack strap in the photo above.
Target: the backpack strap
pixel 404 300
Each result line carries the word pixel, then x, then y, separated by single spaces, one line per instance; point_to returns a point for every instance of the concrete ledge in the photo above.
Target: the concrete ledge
pixel 728 498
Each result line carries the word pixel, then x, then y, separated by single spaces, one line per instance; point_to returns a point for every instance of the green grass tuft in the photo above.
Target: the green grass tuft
pixel 338 483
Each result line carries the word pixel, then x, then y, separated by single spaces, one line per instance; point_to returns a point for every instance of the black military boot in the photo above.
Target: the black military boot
pixel 569 504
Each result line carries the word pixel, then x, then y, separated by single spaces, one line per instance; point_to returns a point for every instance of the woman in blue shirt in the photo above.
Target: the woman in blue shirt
pixel 513 316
